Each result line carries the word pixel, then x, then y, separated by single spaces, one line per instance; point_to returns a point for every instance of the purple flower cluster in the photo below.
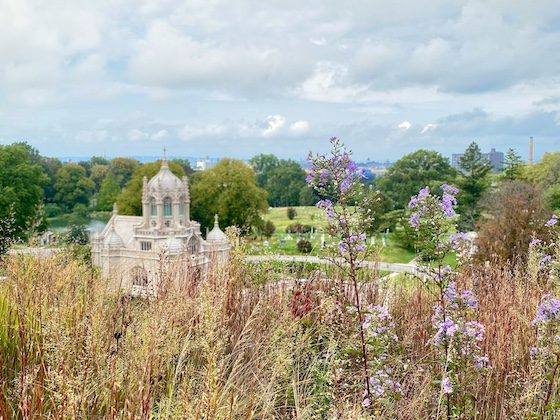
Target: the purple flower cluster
pixel 420 204
pixel 552 222
pixel 548 311
pixel 547 323
pixel 338 170
pixel 327 206
pixel 354 243
pixel 446 386
pixel 454 331
pixel 379 328
pixel 534 243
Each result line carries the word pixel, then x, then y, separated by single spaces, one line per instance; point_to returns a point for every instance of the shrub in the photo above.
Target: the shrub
pixel 268 229
pixel 52 210
pixel 304 246
pixel 298 228
pixel 291 213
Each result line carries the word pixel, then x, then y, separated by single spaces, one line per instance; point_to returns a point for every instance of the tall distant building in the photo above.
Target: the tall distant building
pixel 496 159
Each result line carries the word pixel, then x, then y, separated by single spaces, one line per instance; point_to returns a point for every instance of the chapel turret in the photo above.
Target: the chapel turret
pixel 165 200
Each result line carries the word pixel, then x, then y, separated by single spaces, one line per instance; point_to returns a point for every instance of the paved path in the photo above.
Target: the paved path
pixel 383 266
pixel 35 251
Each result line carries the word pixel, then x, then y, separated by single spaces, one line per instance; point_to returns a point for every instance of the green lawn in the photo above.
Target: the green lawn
pixel 282 243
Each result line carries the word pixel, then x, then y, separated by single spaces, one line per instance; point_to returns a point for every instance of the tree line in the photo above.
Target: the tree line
pixel 34 188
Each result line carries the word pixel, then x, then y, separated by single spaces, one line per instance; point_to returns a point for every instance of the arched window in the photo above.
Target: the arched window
pixel 181 210
pixel 139 277
pixel 167 209
pixel 192 246
pixel 153 208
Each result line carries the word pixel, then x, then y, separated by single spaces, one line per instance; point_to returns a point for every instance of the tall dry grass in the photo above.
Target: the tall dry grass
pixel 227 348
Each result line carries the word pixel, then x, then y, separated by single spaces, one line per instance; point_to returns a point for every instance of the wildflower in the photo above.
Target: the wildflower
pixel 449 189
pixel 534 351
pixel 534 243
pixel 414 221
pixel 480 362
pixel 446 386
pixel 552 222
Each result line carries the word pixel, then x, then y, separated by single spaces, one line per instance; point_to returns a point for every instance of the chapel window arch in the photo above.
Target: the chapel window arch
pixel 139 276
pixel 167 207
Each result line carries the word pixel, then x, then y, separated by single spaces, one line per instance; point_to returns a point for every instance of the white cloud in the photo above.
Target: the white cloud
pixel 299 128
pixel 274 125
pixel 428 127
pixel 405 125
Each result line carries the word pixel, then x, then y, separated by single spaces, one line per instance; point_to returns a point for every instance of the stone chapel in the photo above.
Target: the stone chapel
pixel 134 251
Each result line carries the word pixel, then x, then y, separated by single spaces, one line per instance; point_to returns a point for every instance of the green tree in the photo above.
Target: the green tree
pixel 512 166
pixel 284 184
pixel 262 165
pixel 21 185
pixel 108 193
pixel 186 165
pixel 124 168
pixel 98 174
pixel 129 200
pixel 230 190
pixel 50 168
pixel 473 183
pixel 73 186
pixel 412 172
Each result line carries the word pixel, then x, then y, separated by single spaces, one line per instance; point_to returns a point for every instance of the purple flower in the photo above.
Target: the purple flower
pixel 448 189
pixel 446 386
pixel 414 221
pixel 533 351
pixel 423 193
pixel 366 403
pixel 534 243
pixel 545 260
pixel 480 362
pixel 469 299
pixel 553 220
pixel 548 310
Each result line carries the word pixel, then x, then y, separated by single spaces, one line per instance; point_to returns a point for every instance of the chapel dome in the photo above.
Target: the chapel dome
pixel 216 234
pixel 165 180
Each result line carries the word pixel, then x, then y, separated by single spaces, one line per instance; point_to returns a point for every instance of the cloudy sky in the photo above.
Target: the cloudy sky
pixel 240 77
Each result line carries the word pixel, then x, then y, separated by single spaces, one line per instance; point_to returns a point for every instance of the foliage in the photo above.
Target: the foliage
pixel 186 165
pixel 50 167
pixel 284 184
pixel 228 189
pixel 474 182
pixel 108 193
pixel 552 197
pixel 21 185
pixel 412 172
pixel 512 166
pixel 262 165
pixel 77 235
pixel 73 186
pixel 377 205
pixel 98 174
pixel 123 169
pixel 129 200
pixel 268 229
pixel 513 215
pixel 291 213
pixel 299 228
pixel 7 227
pixel 304 246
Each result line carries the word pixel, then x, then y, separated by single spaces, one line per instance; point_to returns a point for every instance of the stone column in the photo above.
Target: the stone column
pixel 160 214
pixel 175 214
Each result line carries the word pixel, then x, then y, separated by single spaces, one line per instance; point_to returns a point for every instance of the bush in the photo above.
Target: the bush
pixel 304 246
pixel 291 213
pixel 77 235
pixel 298 228
pixel 268 229
pixel 52 210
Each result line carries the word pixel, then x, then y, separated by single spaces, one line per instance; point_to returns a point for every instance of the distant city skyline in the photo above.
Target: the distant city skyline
pixel 223 78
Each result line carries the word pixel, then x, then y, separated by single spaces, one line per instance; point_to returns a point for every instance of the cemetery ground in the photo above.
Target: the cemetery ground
pixel 286 244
